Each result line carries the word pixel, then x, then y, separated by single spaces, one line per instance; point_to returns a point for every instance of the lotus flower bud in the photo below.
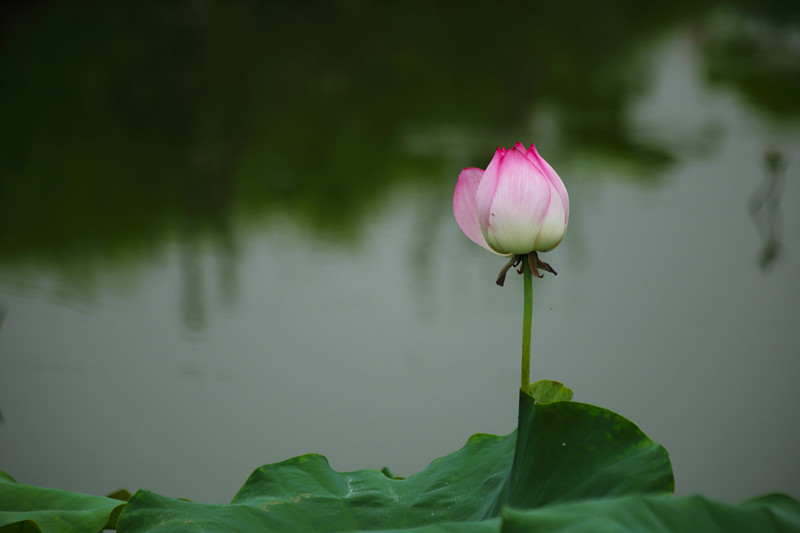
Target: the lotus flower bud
pixel 517 206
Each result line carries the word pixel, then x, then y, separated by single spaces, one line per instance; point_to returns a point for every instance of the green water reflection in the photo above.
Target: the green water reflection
pixel 126 124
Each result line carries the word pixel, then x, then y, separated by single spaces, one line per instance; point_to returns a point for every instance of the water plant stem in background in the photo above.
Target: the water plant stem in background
pixel 527 319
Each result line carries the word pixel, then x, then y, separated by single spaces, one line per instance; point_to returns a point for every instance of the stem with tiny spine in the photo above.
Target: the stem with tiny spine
pixel 527 319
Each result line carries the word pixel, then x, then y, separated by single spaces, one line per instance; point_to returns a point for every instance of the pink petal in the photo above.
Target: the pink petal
pixel 464 207
pixel 485 192
pixel 513 198
pixel 554 224
pixel 554 179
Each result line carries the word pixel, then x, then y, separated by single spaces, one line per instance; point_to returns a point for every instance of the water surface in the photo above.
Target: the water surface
pixel 228 237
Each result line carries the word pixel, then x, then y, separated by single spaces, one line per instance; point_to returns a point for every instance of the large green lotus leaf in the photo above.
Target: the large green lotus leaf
pixel 492 525
pixel 27 508
pixel 562 451
pixel 642 514
pixel 305 493
pixel 574 451
pixel 639 514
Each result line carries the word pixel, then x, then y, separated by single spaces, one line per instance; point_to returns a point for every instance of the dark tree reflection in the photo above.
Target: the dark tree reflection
pixel 125 124
pixel 765 208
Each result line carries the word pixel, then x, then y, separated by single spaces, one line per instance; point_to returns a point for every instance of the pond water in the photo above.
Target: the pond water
pixel 228 236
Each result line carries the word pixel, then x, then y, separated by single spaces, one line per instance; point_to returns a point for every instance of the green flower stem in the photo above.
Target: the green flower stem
pixel 527 319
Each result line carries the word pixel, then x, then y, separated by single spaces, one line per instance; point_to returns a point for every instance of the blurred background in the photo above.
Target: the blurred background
pixel 226 234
